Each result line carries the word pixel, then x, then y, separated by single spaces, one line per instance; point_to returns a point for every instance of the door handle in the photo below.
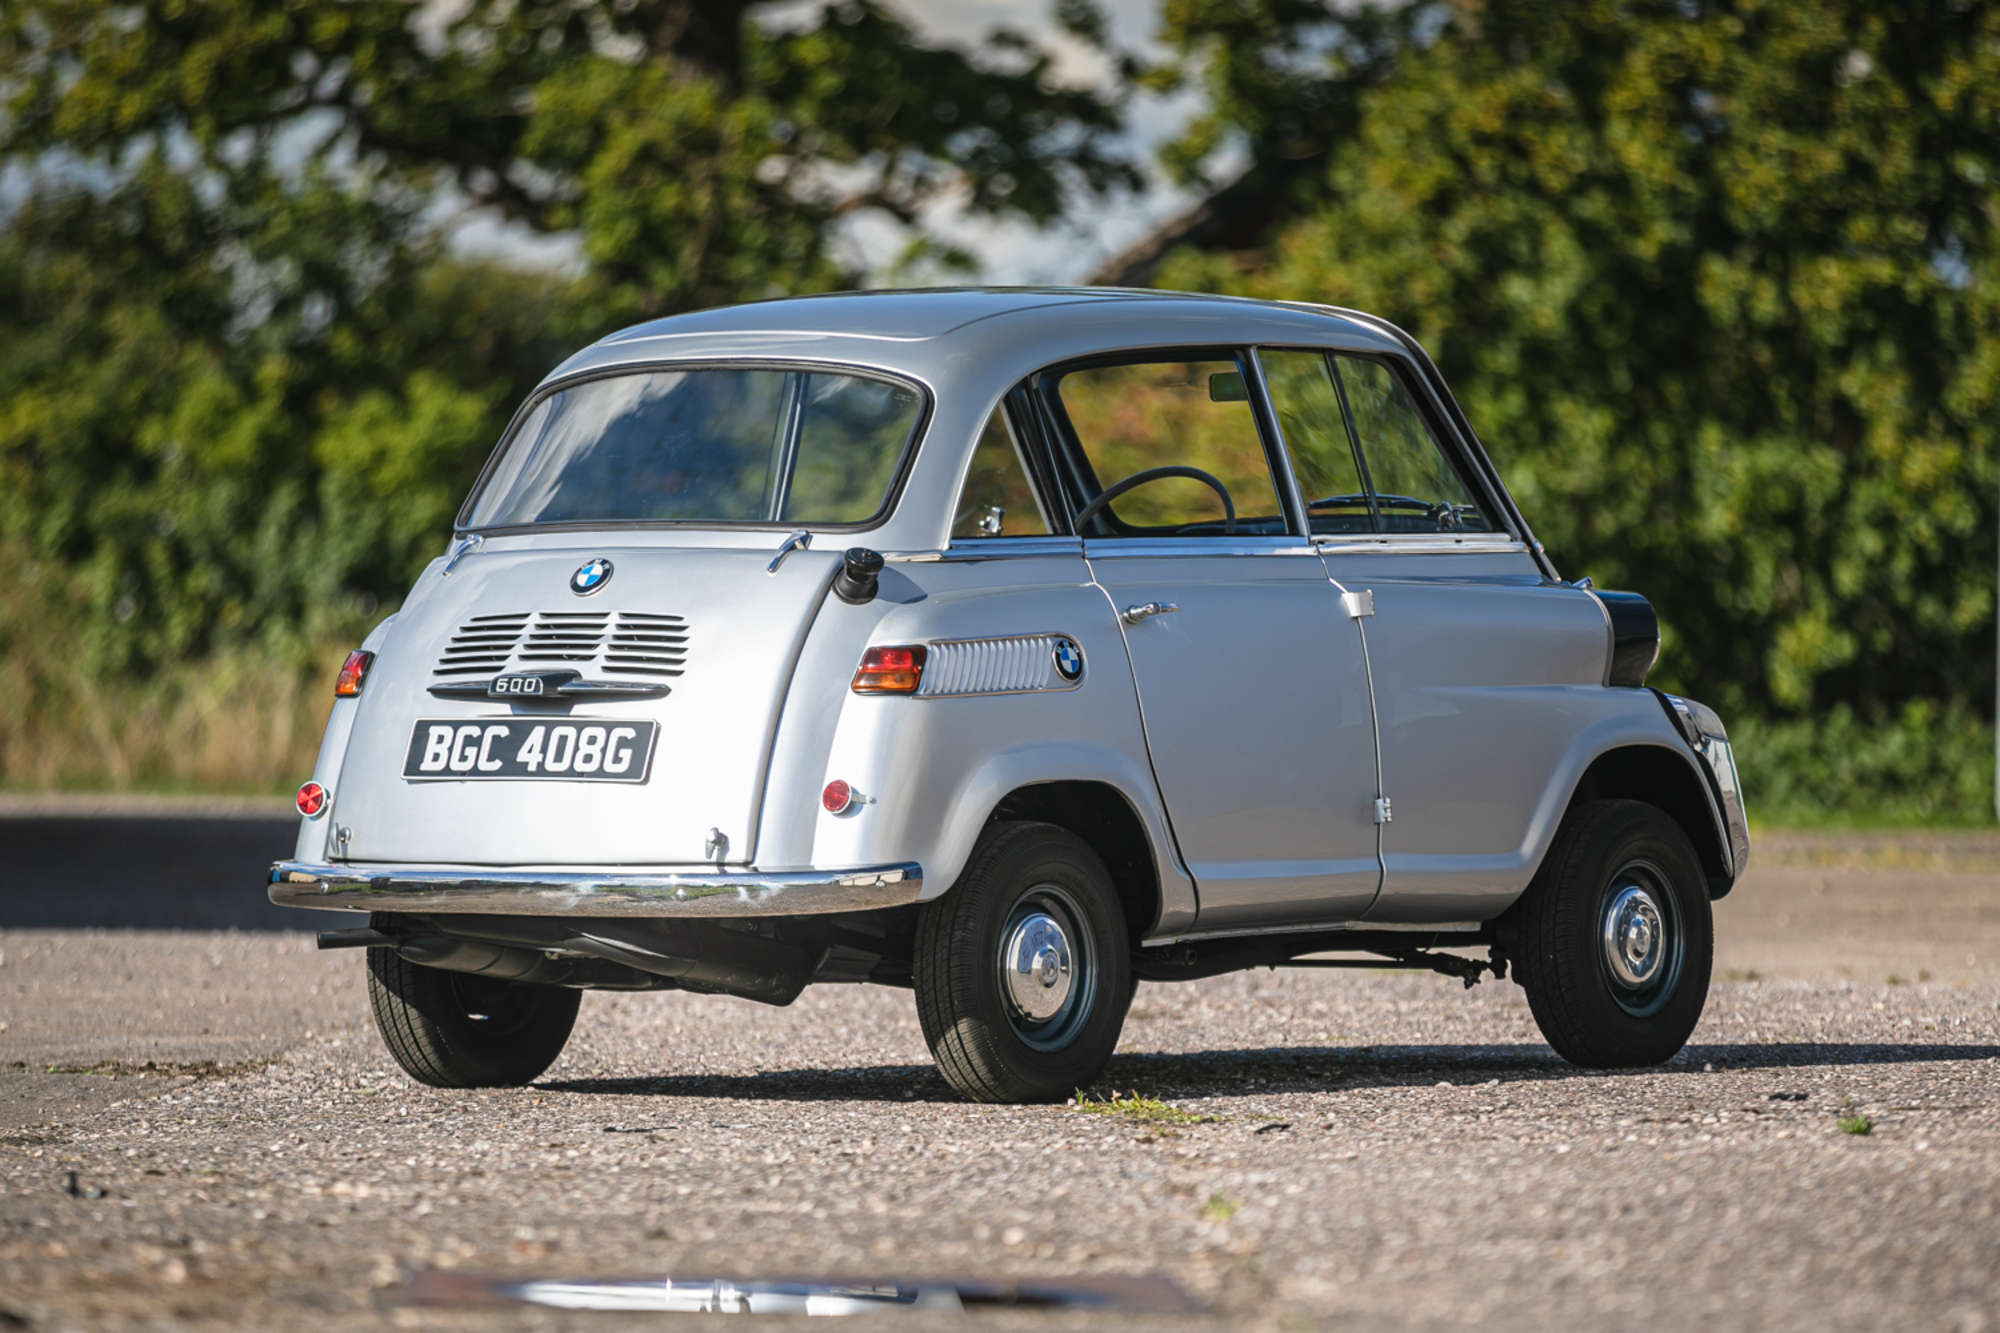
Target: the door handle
pixel 1139 611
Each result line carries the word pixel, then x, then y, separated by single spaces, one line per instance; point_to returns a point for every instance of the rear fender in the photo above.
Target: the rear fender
pixel 315 835
pixel 928 773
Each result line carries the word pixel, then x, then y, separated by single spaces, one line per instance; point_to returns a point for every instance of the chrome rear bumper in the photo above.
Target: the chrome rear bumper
pixel 486 891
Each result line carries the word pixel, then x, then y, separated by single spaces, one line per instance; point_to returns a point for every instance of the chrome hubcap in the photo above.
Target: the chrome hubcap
pixel 1037 967
pixel 1640 948
pixel 1635 939
pixel 1047 968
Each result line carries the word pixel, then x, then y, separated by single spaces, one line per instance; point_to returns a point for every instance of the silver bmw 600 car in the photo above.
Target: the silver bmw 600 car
pixel 1014 647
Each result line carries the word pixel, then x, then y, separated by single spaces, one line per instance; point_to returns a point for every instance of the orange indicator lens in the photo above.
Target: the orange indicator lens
pixel 352 673
pixel 890 671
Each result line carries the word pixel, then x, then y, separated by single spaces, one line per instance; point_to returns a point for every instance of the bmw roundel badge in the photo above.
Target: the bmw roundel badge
pixel 1069 659
pixel 589 578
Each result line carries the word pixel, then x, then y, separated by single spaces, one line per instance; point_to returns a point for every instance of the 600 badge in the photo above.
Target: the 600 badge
pixel 455 750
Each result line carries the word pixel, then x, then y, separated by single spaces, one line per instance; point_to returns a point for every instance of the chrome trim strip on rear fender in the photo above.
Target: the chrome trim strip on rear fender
pixel 583 893
pixel 1003 664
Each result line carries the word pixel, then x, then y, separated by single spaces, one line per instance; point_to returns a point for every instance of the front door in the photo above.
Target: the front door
pixel 1251 681
pixel 1484 675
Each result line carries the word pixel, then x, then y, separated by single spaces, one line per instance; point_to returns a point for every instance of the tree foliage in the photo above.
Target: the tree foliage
pixel 243 380
pixel 1716 281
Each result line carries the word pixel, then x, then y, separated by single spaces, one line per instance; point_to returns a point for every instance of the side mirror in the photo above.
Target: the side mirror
pixel 1226 386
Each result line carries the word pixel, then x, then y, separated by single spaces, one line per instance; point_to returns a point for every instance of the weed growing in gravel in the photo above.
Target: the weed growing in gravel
pixel 1131 1106
pixel 1219 1208
pixel 1855 1123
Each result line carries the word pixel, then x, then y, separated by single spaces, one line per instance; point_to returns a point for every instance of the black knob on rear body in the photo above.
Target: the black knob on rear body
pixel 860 572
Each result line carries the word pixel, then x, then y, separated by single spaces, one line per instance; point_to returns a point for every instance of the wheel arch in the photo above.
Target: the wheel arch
pixel 1102 816
pixel 1666 779
pixel 1082 787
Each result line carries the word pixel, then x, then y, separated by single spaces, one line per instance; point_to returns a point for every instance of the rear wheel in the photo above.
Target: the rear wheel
pixel 1613 941
pixel 1023 973
pixel 457 1030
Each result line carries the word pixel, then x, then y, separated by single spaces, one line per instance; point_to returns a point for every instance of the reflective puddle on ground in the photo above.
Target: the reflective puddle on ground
pixel 808 1296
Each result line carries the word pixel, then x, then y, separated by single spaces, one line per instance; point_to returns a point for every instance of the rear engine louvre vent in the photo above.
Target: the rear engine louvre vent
pixel 618 643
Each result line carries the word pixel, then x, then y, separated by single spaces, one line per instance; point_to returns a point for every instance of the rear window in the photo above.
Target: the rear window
pixel 707 445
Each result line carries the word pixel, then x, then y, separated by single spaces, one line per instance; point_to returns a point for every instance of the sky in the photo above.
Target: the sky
pixel 1009 252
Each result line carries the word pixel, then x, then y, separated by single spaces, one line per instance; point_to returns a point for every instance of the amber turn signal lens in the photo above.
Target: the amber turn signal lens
pixel 352 673
pixel 311 799
pixel 890 671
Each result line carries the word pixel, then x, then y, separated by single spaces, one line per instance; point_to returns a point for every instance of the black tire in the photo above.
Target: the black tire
pixel 1583 945
pixel 986 1045
pixel 456 1030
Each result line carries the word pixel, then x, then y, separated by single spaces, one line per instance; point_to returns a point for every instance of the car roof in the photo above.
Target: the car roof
pixel 932 312
pixel 969 346
pixel 928 333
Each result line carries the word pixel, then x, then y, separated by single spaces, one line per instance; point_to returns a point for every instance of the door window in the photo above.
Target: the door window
pixel 1130 419
pixel 1412 486
pixel 1307 404
pixel 996 500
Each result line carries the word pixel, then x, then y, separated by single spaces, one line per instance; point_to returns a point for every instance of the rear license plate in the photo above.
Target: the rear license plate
pixel 554 749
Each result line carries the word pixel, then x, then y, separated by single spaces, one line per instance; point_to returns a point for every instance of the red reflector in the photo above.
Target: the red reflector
pixel 890 670
pixel 352 672
pixel 312 799
pixel 837 797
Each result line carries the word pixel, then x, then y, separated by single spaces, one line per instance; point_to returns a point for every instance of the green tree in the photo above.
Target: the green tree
pixel 1716 281
pixel 243 380
pixel 699 153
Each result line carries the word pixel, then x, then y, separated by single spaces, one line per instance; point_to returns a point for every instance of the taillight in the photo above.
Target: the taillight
pixel 890 671
pixel 311 800
pixel 352 673
pixel 837 797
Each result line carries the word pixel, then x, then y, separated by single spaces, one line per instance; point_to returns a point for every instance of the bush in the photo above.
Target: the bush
pixel 1928 764
pixel 244 721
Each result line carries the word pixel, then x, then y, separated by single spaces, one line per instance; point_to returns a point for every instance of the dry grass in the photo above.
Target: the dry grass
pixel 248 722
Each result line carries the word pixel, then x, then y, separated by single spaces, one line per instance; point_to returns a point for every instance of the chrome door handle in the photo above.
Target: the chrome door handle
pixel 1137 612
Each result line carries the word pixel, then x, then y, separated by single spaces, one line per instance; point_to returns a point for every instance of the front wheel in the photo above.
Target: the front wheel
pixel 1023 972
pixel 1613 941
pixel 457 1030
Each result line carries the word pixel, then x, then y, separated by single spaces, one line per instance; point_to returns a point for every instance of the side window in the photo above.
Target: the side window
pixel 997 500
pixel 1135 418
pixel 1307 404
pixel 1414 487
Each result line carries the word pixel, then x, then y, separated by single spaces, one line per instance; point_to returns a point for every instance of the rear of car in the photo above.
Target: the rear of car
pixel 594 675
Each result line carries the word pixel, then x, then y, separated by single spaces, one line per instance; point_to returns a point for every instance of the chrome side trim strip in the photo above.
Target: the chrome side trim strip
pixel 583 893
pixel 1140 548
pixel 989 548
pixel 1419 544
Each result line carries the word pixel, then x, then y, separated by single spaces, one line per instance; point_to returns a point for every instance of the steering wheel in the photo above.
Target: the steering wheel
pixel 1118 488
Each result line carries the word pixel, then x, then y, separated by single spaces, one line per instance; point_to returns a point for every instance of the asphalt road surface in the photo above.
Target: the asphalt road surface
pixel 198 1125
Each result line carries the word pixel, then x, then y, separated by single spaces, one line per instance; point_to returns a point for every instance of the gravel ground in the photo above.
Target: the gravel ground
pixel 1373 1147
